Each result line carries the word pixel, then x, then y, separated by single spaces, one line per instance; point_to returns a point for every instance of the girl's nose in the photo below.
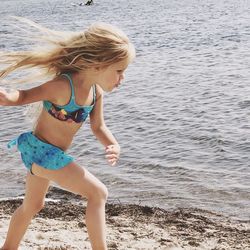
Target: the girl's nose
pixel 122 76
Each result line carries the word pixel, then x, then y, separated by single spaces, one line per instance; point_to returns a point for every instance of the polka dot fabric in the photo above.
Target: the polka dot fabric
pixel 33 150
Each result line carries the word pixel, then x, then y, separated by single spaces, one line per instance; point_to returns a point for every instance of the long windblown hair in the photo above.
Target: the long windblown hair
pixel 59 52
pixel 99 45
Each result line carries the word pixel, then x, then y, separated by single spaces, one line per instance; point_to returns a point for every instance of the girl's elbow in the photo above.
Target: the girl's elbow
pixel 21 98
pixel 96 128
pixel 16 98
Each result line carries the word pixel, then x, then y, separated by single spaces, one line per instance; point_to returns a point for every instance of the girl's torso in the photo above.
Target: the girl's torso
pixel 59 122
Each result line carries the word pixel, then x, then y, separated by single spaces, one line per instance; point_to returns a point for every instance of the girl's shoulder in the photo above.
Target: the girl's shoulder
pixel 52 91
pixel 58 89
pixel 55 83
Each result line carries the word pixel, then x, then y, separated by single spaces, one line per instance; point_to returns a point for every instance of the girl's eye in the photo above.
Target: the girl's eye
pixel 119 71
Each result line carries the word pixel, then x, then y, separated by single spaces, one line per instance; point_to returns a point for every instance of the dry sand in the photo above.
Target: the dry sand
pixel 60 225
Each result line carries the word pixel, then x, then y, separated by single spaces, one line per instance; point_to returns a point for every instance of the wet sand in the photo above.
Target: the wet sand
pixel 60 225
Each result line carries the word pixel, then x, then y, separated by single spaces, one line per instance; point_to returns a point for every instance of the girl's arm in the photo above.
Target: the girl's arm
pixel 45 91
pixel 101 131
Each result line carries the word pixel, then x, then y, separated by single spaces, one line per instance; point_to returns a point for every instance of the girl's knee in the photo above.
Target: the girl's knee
pixel 33 208
pixel 99 193
pixel 104 192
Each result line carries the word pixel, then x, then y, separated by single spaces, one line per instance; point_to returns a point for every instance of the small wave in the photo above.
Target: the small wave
pixel 232 38
pixel 244 104
pixel 215 142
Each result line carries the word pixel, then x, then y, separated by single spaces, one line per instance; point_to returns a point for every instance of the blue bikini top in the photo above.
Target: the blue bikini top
pixel 70 112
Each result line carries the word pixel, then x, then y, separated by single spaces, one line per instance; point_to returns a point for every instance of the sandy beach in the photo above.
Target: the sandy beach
pixel 60 225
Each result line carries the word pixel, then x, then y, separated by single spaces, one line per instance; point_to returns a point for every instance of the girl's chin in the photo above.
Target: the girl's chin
pixel 110 87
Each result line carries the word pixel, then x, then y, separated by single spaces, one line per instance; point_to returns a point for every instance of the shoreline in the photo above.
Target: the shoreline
pixel 60 226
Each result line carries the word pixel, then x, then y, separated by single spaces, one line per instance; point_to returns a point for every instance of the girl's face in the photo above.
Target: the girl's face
pixel 110 77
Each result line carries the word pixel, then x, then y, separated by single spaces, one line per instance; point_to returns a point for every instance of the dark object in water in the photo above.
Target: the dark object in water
pixel 89 2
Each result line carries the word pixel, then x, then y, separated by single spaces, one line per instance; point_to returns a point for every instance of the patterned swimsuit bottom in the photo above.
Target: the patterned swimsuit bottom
pixel 33 150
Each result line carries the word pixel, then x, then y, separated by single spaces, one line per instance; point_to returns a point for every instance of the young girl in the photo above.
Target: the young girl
pixel 83 65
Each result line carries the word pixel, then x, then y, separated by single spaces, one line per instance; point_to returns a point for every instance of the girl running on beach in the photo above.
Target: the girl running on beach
pixel 82 65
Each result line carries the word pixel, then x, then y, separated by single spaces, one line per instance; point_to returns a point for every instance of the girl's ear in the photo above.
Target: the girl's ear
pixel 99 68
pixel 94 69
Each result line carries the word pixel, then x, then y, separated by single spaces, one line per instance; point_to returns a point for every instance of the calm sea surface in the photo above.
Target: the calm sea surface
pixel 182 116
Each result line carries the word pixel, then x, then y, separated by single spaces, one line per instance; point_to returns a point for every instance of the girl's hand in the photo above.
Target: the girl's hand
pixel 112 154
pixel 4 97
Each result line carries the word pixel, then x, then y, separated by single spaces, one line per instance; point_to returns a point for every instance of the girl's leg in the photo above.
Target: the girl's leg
pixel 36 189
pixel 78 180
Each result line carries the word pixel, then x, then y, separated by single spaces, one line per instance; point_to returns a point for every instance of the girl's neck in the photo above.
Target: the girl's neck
pixel 83 80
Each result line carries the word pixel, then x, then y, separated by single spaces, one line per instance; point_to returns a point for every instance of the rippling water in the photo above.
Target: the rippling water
pixel 182 115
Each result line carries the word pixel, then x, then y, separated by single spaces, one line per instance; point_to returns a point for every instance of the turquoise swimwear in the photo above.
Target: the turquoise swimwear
pixel 71 111
pixel 34 150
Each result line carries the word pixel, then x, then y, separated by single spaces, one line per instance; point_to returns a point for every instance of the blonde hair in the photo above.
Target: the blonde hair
pixel 98 46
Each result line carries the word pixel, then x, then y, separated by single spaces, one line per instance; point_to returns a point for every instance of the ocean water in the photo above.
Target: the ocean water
pixel 182 116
